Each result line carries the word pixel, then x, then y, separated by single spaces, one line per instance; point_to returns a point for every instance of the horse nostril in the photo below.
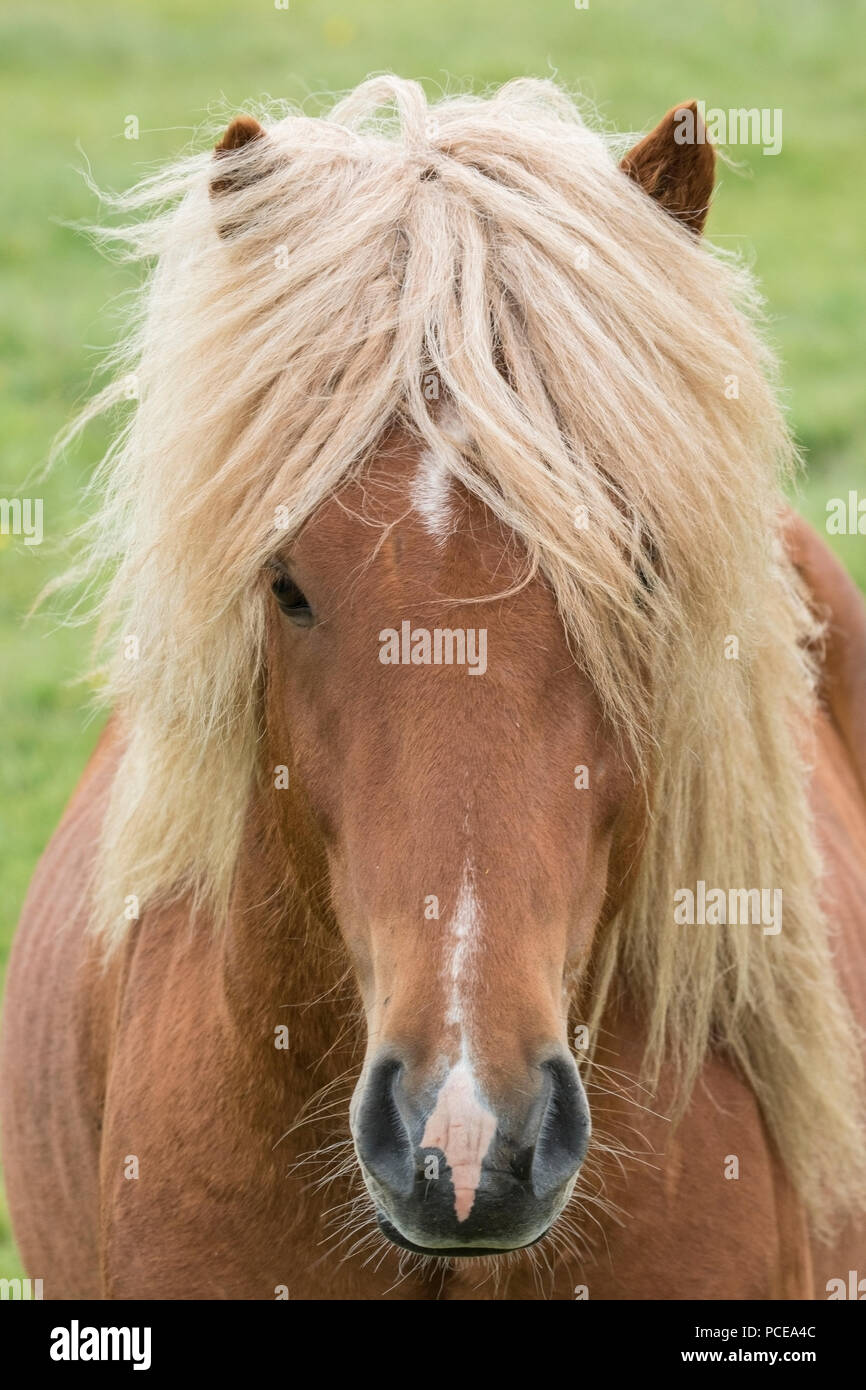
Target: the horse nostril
pixel 564 1131
pixel 381 1137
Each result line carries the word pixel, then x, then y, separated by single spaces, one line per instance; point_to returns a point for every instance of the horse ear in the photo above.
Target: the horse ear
pixel 676 165
pixel 243 131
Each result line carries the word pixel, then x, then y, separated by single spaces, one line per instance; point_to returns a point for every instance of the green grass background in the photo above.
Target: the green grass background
pixel 71 74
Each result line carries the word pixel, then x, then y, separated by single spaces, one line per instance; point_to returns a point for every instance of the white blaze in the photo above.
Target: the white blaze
pixel 463 947
pixel 431 495
pixel 462 1127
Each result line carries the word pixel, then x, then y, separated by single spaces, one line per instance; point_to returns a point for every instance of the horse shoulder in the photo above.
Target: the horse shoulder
pixel 56 1031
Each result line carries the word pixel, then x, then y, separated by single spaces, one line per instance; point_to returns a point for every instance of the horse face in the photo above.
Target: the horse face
pixel 468 860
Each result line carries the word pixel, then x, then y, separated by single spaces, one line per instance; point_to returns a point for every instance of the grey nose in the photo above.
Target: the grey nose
pixel 446 1187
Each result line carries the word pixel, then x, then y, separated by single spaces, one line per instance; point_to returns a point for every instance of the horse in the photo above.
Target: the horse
pixel 464 899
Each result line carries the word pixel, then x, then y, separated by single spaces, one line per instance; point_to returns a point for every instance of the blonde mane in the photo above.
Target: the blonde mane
pixel 605 367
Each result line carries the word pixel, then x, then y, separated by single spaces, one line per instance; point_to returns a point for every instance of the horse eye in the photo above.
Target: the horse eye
pixel 292 601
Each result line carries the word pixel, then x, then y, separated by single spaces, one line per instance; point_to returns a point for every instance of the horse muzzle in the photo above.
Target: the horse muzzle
pixel 452 1175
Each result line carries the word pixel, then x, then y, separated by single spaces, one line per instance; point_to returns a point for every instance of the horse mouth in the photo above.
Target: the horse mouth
pixel 450 1252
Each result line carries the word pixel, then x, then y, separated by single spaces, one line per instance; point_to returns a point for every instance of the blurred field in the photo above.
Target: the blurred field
pixel 73 74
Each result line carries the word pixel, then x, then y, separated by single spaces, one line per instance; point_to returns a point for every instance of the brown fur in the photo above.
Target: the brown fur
pixel 169 1054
